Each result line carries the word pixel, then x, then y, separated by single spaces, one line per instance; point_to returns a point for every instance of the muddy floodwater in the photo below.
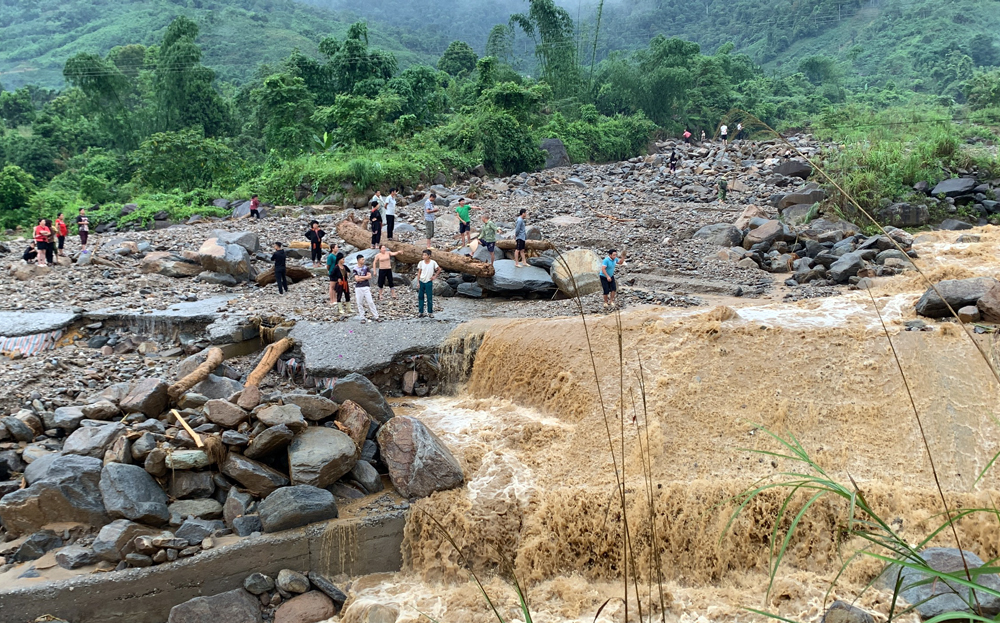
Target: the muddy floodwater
pixel 677 400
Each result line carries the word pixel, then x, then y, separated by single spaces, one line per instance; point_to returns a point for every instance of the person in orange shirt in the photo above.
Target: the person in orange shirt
pixel 61 231
pixel 42 235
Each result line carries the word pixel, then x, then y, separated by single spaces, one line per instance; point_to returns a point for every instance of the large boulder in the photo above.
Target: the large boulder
pixel 292 507
pixel 989 305
pixel 419 463
pixel 217 387
pixel 318 456
pixel 904 215
pixel 575 272
pixel 93 440
pixel 808 197
pixel 355 421
pixel 246 239
pixel 793 168
pixel 68 490
pixel 129 492
pixel 358 388
pixel 224 413
pixel 957 292
pixel 846 266
pixel 768 232
pixel 287 415
pixel 310 607
pixel 257 478
pixel 147 396
pixel 169 264
pixel 269 441
pixel 932 596
pixel 721 234
pixel 235 606
pixel 955 187
pixel 228 259
pixel 556 154
pixel 510 280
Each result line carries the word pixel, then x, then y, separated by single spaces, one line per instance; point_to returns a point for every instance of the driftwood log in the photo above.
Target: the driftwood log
pixel 530 245
pixel 294 274
pixel 412 254
pixel 267 362
pixel 212 361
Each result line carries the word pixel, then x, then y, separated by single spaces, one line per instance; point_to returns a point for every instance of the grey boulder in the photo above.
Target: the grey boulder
pixel 68 490
pixel 93 440
pixel 721 234
pixel 957 292
pixel 292 507
pixel 358 388
pixel 318 456
pixel 235 606
pixel 418 461
pixel 129 492
pixel 932 597
pixel 510 280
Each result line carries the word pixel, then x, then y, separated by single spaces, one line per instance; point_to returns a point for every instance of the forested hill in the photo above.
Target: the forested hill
pixel 38 36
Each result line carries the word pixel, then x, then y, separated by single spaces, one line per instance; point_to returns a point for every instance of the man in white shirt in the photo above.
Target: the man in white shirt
pixel 429 212
pixel 378 198
pixel 724 134
pixel 427 271
pixel 390 212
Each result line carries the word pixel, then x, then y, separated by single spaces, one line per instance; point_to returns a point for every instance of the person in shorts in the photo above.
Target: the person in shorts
pixel 520 239
pixel 41 236
pixel 383 267
pixel 83 228
pixel 608 284
pixel 464 222
pixel 488 235
pixel 724 134
pixel 429 212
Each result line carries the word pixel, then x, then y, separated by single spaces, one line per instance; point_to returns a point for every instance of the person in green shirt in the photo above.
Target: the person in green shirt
pixel 464 221
pixel 488 235
pixel 723 188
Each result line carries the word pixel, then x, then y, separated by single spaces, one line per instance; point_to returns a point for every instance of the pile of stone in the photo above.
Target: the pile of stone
pixel 289 597
pixel 820 252
pixel 972 299
pixel 121 464
pixel 978 199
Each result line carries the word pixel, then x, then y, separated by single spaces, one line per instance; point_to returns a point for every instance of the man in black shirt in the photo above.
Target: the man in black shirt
pixel 278 257
pixel 315 237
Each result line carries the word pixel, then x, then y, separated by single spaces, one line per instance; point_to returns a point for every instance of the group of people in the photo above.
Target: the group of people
pixel 49 239
pixel 723 134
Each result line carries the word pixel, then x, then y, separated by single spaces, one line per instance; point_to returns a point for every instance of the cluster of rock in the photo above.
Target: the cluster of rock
pixel 821 252
pixel 976 198
pixel 121 464
pixel 289 597
pixel 972 299
pixel 223 259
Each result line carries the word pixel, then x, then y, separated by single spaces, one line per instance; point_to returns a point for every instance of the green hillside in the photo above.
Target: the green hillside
pixel 37 36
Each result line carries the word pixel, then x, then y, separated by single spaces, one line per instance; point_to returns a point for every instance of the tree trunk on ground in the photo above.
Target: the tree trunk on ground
pixel 294 274
pixel 267 362
pixel 530 245
pixel 212 361
pixel 412 254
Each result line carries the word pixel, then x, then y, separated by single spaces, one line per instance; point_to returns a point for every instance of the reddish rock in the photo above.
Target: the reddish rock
pixel 989 305
pixel 310 607
pixel 355 421
pixel 419 463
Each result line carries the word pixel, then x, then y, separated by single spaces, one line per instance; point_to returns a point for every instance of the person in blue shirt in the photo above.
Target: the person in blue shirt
pixel 521 236
pixel 607 274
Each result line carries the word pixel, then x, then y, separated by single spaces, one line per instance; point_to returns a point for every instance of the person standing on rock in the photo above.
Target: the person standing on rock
pixel 429 212
pixel 723 189
pixel 521 239
pixel 375 220
pixel 383 266
pixel 427 271
pixel 363 289
pixel 338 284
pixel 83 228
pixel 390 212
pixel 315 236
pixel 61 231
pixel 488 235
pixel 724 134
pixel 464 222
pixel 255 207
pixel 702 136
pixel 739 132
pixel 687 136
pixel 278 257
pixel 673 162
pixel 608 284
pixel 50 246
pixel 380 200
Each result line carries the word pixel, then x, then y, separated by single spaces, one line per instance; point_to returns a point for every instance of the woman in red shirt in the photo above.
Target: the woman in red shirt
pixel 42 234
pixel 61 231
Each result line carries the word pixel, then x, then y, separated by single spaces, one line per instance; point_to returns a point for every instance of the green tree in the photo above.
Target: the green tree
pixel 507 145
pixel 16 108
pixel 107 98
pixel 360 120
pixel 984 50
pixel 983 90
pixel 551 28
pixel 458 60
pixel 16 190
pixel 284 112
pixel 352 62
pixel 500 43
pixel 183 160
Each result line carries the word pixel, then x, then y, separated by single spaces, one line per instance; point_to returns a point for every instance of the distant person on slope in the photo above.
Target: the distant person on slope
pixel 278 257
pixel 50 246
pixel 339 284
pixel 315 237
pixel 739 132
pixel 687 136
pixel 488 235
pixel 673 162
pixel 723 189
pixel 83 228
pixel 608 284
pixel 378 198
pixel 255 207
pixel 724 134
pixel 521 238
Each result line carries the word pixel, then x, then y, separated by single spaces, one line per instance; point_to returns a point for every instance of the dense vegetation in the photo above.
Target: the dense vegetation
pixel 156 123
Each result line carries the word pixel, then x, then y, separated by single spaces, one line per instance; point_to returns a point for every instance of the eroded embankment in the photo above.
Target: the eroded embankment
pixel 535 446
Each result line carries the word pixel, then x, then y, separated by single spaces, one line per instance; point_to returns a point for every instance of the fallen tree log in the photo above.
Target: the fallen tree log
pixel 530 245
pixel 212 361
pixel 294 274
pixel 412 254
pixel 268 360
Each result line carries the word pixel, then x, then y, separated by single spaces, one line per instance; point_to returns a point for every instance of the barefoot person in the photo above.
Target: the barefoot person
pixel 427 271
pixel 278 257
pixel 521 238
pixel 429 212
pixel 383 267
pixel 488 235
pixel 363 289
pixel 315 237
pixel 608 284
pixel 83 228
